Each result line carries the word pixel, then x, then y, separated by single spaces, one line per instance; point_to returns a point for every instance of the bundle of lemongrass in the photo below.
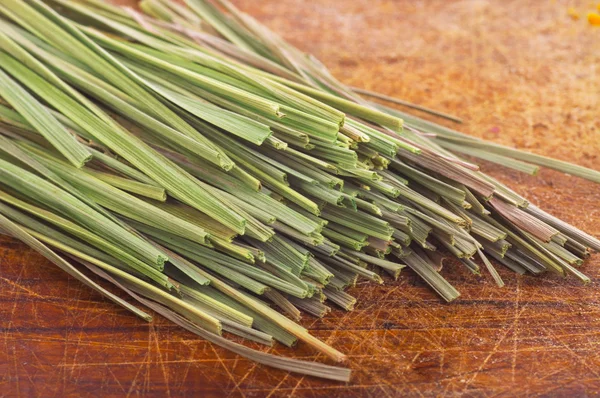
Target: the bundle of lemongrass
pixel 214 173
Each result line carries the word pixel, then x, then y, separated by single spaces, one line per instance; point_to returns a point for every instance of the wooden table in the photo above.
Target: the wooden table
pixel 523 75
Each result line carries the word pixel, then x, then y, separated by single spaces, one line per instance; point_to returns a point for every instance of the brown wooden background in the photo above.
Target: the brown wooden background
pixel 519 73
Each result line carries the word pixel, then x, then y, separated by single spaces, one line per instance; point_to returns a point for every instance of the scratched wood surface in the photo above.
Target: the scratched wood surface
pixel 520 74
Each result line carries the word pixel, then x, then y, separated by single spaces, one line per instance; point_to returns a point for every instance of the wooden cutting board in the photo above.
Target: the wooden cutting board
pixel 519 73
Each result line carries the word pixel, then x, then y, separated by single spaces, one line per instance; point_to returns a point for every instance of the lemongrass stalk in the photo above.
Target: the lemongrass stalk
pixel 121 202
pixel 135 151
pixel 259 321
pixel 216 306
pixel 81 233
pixel 406 104
pixel 43 121
pixel 16 231
pixel 131 186
pixel 120 167
pixel 62 201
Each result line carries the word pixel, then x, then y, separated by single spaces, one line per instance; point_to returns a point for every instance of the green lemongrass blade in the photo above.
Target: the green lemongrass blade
pixel 405 103
pixel 567 268
pixel 381 200
pixel 210 323
pixel 383 187
pixel 72 246
pixel 184 267
pixel 43 121
pixel 261 322
pixel 312 125
pixel 501 246
pixel 207 12
pixel 575 272
pixel 335 154
pixel 359 221
pixel 292 365
pixel 81 233
pixel 449 192
pixel 245 332
pixel 129 108
pixel 63 202
pixel 259 214
pixel 62 34
pixel 432 277
pixel 339 262
pixel 17 153
pixel 219 308
pixel 16 231
pixel 194 252
pixel 153 40
pixel 359 172
pixel 310 159
pixel 472 200
pixel 300 169
pixel 289 171
pixel 273 181
pixel 234 250
pixel 356 235
pixel 213 85
pixel 340 298
pixel 317 271
pixel 390 266
pixel 327 247
pixel 246 158
pixel 9 147
pixel 563 253
pixel 285 252
pixel 493 157
pixel 178 183
pixel 216 177
pixel 131 186
pixel 324 194
pixel 284 305
pixel 310 113
pixel 122 202
pixel 238 125
pixel 518 241
pixel 525 260
pixel 347 106
pixel 504 151
pixel 509 263
pixel 484 229
pixel 284 273
pixel 380 141
pixel 343 240
pixel 275 122
pixel 313 306
pixel 449 229
pixel 203 255
pixel 577 248
pixel 118 166
pixel 491 269
pixel 254 228
pixel 414 196
pixel 310 240
pixel 197 218
pixel 227 272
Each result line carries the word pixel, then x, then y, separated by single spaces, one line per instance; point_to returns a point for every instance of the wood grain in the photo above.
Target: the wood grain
pixel 519 73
